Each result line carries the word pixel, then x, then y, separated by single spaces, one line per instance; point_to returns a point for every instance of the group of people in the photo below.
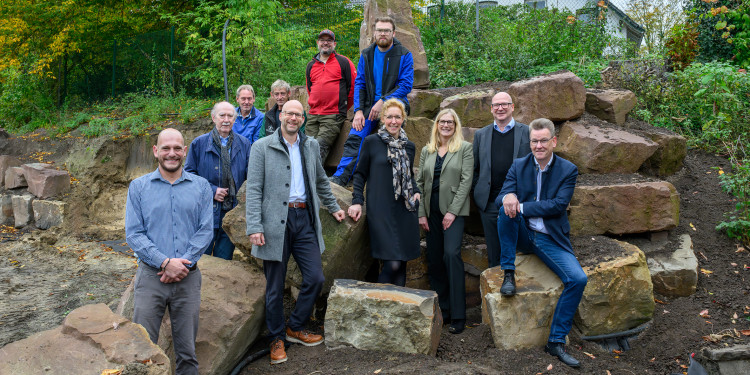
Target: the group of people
pixel 174 214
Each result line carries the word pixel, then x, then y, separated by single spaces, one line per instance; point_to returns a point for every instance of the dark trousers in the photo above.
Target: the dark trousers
pixel 221 246
pixel 445 266
pixel 183 299
pixel 350 156
pixel 489 224
pixel 516 235
pixel 300 241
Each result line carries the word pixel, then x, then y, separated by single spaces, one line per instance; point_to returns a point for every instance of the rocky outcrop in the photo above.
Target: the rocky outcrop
pixel 610 105
pixel 557 96
pixel 418 130
pixel 7 161
pixel 22 211
pixel 347 253
pixel 406 32
pixel 624 208
pixel 14 178
pixel 523 320
pixel 474 108
pixel 669 155
pixel 383 317
pixel 675 274
pixel 44 181
pixel 6 209
pixel 424 103
pixel 468 133
pixel 619 294
pixel 48 214
pixel 595 149
pixel 231 316
pixel 90 340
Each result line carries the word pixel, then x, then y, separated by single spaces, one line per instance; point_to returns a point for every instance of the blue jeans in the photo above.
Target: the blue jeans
pixel 515 235
pixel 350 156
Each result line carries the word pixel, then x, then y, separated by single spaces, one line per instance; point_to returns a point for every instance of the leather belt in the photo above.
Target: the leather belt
pixel 297 205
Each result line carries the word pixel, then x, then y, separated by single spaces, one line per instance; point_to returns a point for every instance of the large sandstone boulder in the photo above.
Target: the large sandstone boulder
pixel 523 320
pixel 619 294
pixel 610 105
pixel 48 214
pixel 6 209
pixel 384 317
pixel 90 340
pixel 624 208
pixel 7 161
pixel 594 149
pixel 669 155
pixel 731 360
pixel 406 32
pixel 347 253
pixel 468 133
pixel 22 211
pixel 474 108
pixel 232 314
pixel 44 181
pixel 14 178
pixel 557 96
pixel 675 274
pixel 418 131
pixel 424 103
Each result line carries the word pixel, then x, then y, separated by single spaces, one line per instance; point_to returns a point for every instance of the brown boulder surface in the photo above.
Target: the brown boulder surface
pixel 14 178
pixel 44 181
pixel 595 149
pixel 558 96
pixel 90 340
pixel 610 105
pixel 473 107
pixel 424 103
pixel 406 32
pixel 669 156
pixel 7 161
pixel 624 208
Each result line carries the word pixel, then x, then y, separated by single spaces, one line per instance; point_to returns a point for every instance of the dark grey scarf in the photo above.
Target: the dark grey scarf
pixel 402 186
pixel 227 181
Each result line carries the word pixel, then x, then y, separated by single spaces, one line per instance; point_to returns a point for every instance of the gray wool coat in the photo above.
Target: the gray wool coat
pixel 268 182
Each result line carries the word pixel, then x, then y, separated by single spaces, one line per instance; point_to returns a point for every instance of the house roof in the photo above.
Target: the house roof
pixel 634 25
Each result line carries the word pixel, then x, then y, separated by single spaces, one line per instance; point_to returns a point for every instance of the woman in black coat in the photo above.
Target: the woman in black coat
pixel 385 164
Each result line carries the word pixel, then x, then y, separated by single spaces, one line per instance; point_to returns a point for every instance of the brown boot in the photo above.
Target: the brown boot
pixel 303 337
pixel 278 354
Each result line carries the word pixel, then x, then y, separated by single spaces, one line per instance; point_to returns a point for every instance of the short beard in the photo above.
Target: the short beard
pixel 383 44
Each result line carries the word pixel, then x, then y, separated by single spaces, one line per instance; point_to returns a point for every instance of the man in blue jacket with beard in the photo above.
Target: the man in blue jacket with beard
pixel 385 70
pixel 220 156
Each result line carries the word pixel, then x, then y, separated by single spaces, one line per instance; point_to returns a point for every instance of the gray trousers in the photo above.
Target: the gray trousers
pixel 183 299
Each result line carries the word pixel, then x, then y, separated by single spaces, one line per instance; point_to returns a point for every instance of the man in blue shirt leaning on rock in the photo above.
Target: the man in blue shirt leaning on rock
pixel 169 224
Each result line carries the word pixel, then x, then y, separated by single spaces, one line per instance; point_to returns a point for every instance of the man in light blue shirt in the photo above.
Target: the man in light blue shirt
pixel 169 224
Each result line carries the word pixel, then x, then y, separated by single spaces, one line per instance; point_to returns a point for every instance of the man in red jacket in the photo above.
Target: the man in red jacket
pixel 330 87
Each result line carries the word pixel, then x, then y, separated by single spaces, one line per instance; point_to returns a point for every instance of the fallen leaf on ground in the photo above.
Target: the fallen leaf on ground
pixel 377 371
pixel 735 316
pixel 745 332
pixel 549 368
pixel 659 301
pixel 590 355
pixel 706 272
pixel 617 351
pixel 704 314
pixel 693 227
pixel 666 311
pixel 733 264
pixel 652 359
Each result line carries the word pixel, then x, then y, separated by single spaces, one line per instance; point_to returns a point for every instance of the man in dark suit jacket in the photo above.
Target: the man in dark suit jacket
pixel 495 147
pixel 533 218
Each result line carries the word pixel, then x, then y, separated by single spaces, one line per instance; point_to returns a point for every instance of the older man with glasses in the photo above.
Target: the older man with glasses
pixel 495 147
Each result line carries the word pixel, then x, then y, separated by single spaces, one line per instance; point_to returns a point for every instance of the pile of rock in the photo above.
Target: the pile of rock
pixel 28 188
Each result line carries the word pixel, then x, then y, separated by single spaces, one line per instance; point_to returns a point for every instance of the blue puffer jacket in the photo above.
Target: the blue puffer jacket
pixel 248 127
pixel 204 160
pixel 398 77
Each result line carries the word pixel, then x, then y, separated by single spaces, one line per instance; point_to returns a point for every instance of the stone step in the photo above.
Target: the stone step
pixel 371 316
pixel 44 181
pixel 557 96
pixel 611 105
pixel 622 208
pixel 675 273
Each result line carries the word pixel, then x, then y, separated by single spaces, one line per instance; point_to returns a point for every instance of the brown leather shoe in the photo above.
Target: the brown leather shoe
pixel 278 354
pixel 303 337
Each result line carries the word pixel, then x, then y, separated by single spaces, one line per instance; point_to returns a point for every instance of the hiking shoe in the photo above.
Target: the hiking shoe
pixel 509 284
pixel 303 337
pixel 278 354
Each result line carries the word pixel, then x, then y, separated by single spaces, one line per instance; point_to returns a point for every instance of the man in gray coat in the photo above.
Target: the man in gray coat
pixel 495 147
pixel 285 179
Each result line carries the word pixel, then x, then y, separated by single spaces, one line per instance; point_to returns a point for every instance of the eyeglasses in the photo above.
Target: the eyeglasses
pixel 501 105
pixel 292 114
pixel 325 41
pixel 393 117
pixel 383 31
pixel 446 122
pixel 542 142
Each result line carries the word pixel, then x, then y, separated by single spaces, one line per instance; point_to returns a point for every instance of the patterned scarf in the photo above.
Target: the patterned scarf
pixel 227 181
pixel 402 186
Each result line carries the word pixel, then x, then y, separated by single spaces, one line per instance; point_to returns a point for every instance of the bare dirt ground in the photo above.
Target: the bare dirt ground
pixel 45 274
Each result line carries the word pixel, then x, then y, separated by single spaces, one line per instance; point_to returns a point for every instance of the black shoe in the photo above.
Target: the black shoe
pixel 557 349
pixel 509 284
pixel 457 326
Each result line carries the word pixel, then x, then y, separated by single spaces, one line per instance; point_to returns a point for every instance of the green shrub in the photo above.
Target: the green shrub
pixel 97 127
pixel 24 102
pixel 737 225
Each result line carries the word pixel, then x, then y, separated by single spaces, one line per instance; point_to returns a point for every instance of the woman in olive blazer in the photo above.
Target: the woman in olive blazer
pixel 446 166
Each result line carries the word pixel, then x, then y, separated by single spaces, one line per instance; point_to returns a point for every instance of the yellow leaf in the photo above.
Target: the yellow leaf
pixel 693 227
pixel 706 272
